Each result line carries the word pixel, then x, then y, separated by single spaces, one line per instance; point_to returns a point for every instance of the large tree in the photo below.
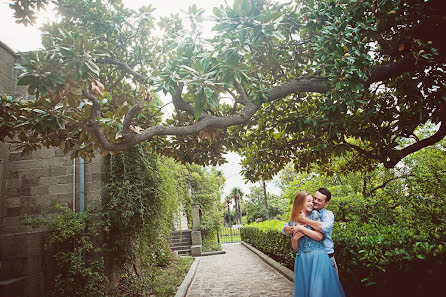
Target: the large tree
pixel 307 79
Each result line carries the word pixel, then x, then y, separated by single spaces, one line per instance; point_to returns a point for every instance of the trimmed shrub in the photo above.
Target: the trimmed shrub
pixel 267 237
pixel 373 260
pixel 377 260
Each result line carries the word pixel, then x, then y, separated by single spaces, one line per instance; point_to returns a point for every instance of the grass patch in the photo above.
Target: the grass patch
pixel 168 279
pixel 157 281
pixel 210 246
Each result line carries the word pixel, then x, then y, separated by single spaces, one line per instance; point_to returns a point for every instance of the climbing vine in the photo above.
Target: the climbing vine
pixel 138 207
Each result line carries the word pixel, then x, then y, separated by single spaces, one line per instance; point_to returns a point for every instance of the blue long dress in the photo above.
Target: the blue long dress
pixel 314 275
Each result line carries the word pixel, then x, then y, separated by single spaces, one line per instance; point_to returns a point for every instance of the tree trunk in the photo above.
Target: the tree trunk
pixel 229 214
pixel 239 212
pixel 265 199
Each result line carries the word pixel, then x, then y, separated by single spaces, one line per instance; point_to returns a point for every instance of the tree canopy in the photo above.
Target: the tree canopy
pixel 307 80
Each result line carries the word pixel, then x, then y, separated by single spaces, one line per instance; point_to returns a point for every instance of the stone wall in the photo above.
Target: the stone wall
pixel 8 75
pixel 28 185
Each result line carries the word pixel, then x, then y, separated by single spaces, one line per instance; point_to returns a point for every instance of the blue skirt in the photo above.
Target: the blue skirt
pixel 314 276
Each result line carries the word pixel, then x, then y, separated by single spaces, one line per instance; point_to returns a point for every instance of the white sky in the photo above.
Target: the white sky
pixel 21 38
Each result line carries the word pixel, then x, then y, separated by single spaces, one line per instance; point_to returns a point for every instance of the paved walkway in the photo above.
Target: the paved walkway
pixel 238 273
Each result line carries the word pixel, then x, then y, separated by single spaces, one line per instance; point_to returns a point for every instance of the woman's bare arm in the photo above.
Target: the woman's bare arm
pixel 316 235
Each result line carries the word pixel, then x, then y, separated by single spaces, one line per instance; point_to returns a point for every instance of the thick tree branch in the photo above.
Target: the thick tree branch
pixel 439 135
pixel 123 66
pixel 243 96
pixel 318 84
pixel 384 72
pixel 390 159
pixel 217 122
pixel 94 113
pixel 179 103
pixel 303 84
pixel 367 194
pixel 129 118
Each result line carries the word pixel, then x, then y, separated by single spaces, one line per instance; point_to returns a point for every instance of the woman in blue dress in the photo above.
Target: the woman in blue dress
pixel 314 275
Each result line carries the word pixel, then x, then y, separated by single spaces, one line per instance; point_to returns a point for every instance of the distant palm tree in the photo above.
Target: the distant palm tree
pixel 220 180
pixel 237 194
pixel 228 202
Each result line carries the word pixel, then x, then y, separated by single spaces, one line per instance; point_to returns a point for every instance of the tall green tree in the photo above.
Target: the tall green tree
pixel 228 201
pixel 307 79
pixel 255 205
pixel 237 194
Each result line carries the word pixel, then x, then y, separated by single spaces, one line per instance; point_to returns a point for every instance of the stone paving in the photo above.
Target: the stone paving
pixel 238 273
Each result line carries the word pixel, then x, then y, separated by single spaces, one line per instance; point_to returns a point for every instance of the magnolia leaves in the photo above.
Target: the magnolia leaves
pixel 62 69
pixel 209 133
pixel 97 87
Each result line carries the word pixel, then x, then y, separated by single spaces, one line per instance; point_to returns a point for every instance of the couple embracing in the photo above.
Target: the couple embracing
pixel 310 228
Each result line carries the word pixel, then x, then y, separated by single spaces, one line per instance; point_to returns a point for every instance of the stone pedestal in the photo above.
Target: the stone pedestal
pixel 196 237
pixel 196 250
pixel 195 217
pixel 196 233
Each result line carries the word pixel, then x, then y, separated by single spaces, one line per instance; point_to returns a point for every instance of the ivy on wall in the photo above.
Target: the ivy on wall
pixel 138 206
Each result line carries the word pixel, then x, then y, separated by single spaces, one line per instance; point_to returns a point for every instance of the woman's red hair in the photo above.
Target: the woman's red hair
pixel 298 204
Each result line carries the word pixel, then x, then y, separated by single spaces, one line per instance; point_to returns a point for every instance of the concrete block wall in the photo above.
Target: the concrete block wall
pixel 28 185
pixel 9 75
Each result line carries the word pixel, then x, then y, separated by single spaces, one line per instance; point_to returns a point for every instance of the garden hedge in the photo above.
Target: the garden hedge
pixel 373 260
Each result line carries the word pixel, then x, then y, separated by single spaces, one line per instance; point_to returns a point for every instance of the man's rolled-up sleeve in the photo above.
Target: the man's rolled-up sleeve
pixel 327 222
pixel 283 228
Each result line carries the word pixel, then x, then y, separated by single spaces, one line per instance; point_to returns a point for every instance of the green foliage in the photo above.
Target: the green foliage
pixel 309 79
pixel 210 244
pixel 162 281
pixel 373 259
pixel 344 41
pixel 138 213
pixel 168 280
pixel 70 237
pixel 267 237
pixel 128 233
pixel 385 260
pixel 255 205
pixel 236 194
pixel 7 117
pixel 206 192
pixel 25 10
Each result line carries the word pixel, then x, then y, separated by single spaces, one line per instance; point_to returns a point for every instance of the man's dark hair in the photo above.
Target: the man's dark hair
pixel 325 192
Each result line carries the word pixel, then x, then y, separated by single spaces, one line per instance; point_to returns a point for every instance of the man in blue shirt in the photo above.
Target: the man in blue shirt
pixel 320 199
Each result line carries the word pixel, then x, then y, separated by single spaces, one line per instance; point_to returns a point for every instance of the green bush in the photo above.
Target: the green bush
pixel 373 259
pixel 137 213
pixel 69 241
pixel 210 243
pixel 267 237
pixel 378 260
